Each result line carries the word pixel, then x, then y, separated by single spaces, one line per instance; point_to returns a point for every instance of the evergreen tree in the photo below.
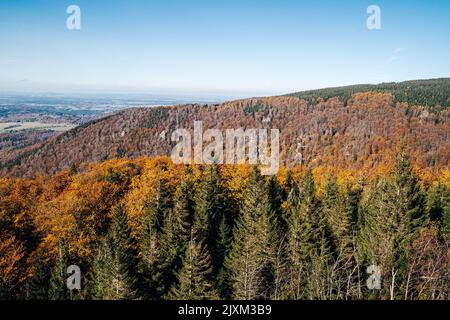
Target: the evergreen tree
pixel 58 287
pixel 446 214
pixel 300 241
pixel 101 284
pixel 340 207
pixel 339 210
pixel 166 258
pixel 438 207
pixel 275 195
pixel 115 266
pixel 410 199
pixel 158 238
pixel 391 216
pixel 210 210
pixel 309 244
pixel 184 209
pixel 223 246
pixel 161 204
pixel 193 283
pixel 37 286
pixel 253 248
pixel 290 185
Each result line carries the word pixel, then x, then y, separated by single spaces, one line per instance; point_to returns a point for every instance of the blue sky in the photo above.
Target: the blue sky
pixel 245 46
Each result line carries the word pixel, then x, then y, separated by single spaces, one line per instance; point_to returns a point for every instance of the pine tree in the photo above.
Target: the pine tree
pixel 309 250
pixel 193 283
pixel 275 195
pixel 410 199
pixel 103 272
pixel 158 238
pixel 446 214
pixel 253 248
pixel 300 242
pixel 339 207
pixel 438 207
pixel 223 246
pixel 392 214
pixel 166 258
pixel 58 287
pixel 37 286
pixel 184 210
pixel 210 209
pixel 115 266
pixel 280 228
pixel 161 204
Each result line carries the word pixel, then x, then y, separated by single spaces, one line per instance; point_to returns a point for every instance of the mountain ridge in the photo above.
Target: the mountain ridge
pixel 348 129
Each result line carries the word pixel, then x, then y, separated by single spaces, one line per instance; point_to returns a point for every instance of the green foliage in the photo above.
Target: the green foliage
pixel 253 109
pixel 253 248
pixel 58 287
pixel 393 213
pixel 193 277
pixel 158 115
pixel 438 207
pixel 211 211
pixel 114 269
pixel 300 247
pixel 37 285
pixel 339 209
pixel 284 241
pixel 419 92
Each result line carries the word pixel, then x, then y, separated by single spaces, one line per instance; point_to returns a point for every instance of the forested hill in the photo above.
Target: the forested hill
pixel 357 127
pixel 416 92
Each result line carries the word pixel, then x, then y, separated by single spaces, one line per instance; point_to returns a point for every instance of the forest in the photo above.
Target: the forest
pixel 361 133
pixel 360 208
pixel 430 93
pixel 149 229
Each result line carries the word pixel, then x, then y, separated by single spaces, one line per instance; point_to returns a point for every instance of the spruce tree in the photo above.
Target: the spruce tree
pixel 193 277
pixel 438 207
pixel 166 258
pixel 115 265
pixel 393 212
pixel 309 251
pixel 253 248
pixel 158 239
pixel 223 246
pixel 102 276
pixel 210 209
pixel 184 210
pixel 300 245
pixel 275 195
pixel 162 203
pixel 410 199
pixel 340 207
pixel 58 287
pixel 37 285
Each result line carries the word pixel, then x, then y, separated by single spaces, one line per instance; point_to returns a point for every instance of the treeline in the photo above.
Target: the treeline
pixel 431 93
pixel 363 132
pixel 198 238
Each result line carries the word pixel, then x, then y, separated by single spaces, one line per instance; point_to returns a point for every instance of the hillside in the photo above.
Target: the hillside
pixel 350 127
pixel 416 92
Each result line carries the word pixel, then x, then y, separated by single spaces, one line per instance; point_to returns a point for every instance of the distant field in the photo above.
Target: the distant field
pixel 18 126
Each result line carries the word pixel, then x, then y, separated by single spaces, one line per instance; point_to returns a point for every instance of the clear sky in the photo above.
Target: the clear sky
pixel 253 46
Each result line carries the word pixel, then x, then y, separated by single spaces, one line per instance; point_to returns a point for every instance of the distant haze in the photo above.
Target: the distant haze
pixel 226 49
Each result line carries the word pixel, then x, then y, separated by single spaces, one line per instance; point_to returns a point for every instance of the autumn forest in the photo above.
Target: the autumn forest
pixel 360 208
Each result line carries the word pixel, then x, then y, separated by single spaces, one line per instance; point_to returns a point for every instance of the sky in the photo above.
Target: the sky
pixel 227 46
